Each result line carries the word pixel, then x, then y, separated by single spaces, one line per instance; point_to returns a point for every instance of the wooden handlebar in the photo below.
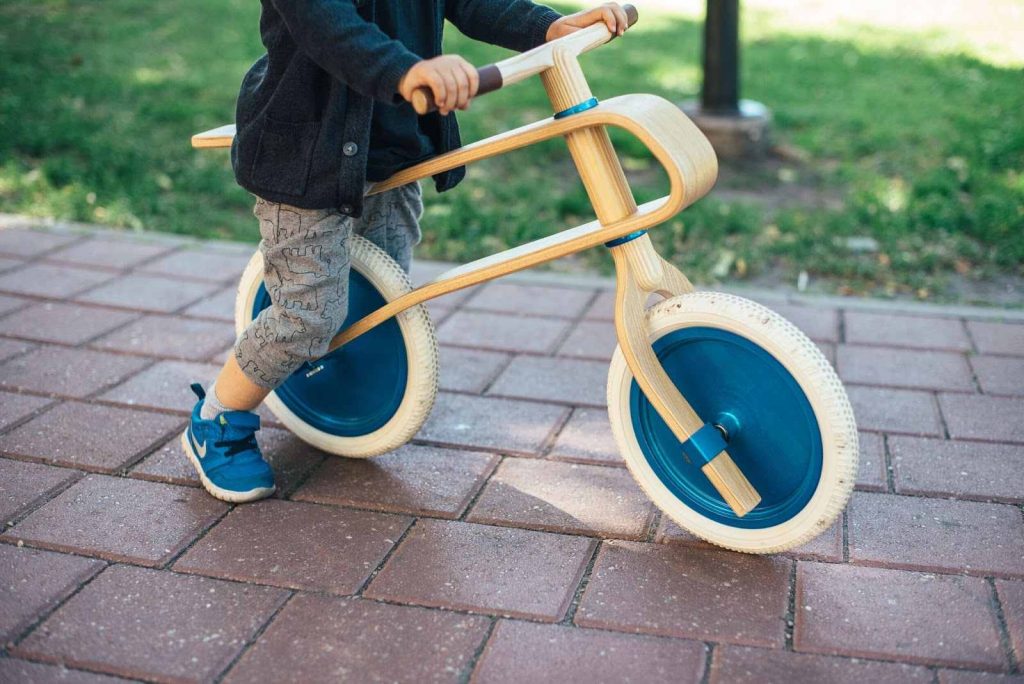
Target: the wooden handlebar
pixel 494 76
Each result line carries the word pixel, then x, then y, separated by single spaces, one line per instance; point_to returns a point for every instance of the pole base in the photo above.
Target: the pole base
pixel 740 135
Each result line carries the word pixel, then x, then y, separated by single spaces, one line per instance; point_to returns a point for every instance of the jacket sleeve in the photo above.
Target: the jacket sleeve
pixel 515 24
pixel 348 47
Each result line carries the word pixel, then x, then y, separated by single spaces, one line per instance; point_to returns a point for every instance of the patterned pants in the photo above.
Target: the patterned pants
pixel 306 270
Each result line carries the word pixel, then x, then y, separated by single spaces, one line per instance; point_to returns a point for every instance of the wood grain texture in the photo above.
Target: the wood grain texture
pixel 674 140
pixel 633 334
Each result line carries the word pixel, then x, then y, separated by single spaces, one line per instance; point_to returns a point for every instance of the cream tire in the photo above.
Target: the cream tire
pixel 806 365
pixel 420 343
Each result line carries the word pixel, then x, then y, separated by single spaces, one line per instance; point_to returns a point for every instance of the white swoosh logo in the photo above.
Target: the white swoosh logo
pixel 201 450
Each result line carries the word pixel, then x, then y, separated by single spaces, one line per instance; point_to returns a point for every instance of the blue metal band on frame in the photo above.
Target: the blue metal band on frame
pixel 576 109
pixel 704 445
pixel 625 238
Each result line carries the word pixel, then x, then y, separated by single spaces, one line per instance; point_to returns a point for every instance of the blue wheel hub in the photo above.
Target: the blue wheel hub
pixel 357 388
pixel 774 438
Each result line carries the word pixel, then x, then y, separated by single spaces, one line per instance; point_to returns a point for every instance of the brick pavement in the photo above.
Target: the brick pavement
pixel 507 542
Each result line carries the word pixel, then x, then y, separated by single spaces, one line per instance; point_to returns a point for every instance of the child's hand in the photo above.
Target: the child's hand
pixel 611 13
pixel 451 79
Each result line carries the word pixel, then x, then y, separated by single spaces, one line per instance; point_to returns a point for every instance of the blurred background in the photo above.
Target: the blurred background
pixel 895 166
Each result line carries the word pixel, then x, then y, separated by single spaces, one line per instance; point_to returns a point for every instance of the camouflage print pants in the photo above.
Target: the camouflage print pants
pixel 306 270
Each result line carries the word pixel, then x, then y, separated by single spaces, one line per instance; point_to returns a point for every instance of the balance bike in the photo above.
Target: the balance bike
pixel 730 418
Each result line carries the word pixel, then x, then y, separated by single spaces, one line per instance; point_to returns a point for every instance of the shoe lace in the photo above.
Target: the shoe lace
pixel 233 447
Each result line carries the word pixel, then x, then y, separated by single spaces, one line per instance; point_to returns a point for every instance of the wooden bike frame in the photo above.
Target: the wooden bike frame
pixel 692 169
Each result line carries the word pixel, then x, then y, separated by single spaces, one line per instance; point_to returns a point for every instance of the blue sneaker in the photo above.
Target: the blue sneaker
pixel 225 454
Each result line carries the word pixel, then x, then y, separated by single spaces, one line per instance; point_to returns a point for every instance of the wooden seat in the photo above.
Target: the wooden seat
pixel 214 138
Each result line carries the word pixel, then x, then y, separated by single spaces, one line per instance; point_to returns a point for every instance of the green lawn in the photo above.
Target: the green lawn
pixel 894 137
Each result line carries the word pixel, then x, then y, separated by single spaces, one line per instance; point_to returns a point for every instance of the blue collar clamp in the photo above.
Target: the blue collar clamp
pixel 576 109
pixel 625 238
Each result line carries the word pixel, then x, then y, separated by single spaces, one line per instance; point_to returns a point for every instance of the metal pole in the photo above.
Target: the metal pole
pixel 721 91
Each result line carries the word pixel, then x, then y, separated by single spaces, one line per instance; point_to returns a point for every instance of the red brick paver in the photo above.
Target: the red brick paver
pixel 140 623
pixel 901 330
pixel 685 592
pixel 820 324
pixel 15 407
pixel 528 652
pixel 999 374
pixel 745 665
pixel 490 423
pixel 63 323
pixel 914 369
pixel 502 332
pixel 587 438
pixel 9 348
pixel 8 304
pixel 872 474
pixel 511 507
pixel 89 436
pixel 172 336
pixel 219 306
pixel 24 484
pixel 296 545
pixel 149 293
pixel 200 264
pixel 120 519
pixel 33 581
pixel 534 300
pixel 992 419
pixel 484 569
pixel 29 243
pixel 568 381
pixel 896 615
pixel 965 470
pixel 164 385
pixel 50 280
pixel 14 670
pixel 965 677
pixel 590 340
pixel 998 338
pixel 67 372
pixel 117 253
pixel 417 480
pixel 895 410
pixel 1011 599
pixel 936 535
pixel 317 639
pixel 470 370
pixel 565 497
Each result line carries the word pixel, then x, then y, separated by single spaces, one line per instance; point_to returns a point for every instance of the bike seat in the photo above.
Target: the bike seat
pixel 215 137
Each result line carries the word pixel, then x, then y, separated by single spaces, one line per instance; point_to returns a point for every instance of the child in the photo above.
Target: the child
pixel 320 117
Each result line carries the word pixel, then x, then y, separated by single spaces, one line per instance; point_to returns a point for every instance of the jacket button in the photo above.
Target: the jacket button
pixel 349 149
pixel 345 209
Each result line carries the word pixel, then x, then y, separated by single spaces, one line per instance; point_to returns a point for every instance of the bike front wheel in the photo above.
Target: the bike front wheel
pixel 792 430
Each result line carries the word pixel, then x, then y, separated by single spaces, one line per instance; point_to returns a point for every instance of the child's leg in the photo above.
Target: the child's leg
pixel 391 220
pixel 306 270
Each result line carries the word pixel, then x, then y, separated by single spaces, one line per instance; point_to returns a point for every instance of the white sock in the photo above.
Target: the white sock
pixel 212 406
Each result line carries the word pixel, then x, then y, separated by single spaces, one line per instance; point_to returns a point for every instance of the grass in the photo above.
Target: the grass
pixel 890 136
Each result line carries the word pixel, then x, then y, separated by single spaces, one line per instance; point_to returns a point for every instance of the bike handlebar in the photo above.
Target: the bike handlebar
pixel 494 76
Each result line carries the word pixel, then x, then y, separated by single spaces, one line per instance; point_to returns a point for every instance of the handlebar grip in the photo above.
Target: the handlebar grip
pixel 490 80
pixel 631 14
pixel 490 76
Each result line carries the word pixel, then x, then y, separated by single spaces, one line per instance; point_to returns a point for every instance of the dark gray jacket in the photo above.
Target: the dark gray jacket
pixel 303 114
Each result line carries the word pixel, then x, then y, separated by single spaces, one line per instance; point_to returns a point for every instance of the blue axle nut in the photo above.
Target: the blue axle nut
pixel 712 439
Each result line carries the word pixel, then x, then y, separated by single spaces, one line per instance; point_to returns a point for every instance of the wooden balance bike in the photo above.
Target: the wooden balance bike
pixel 730 418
